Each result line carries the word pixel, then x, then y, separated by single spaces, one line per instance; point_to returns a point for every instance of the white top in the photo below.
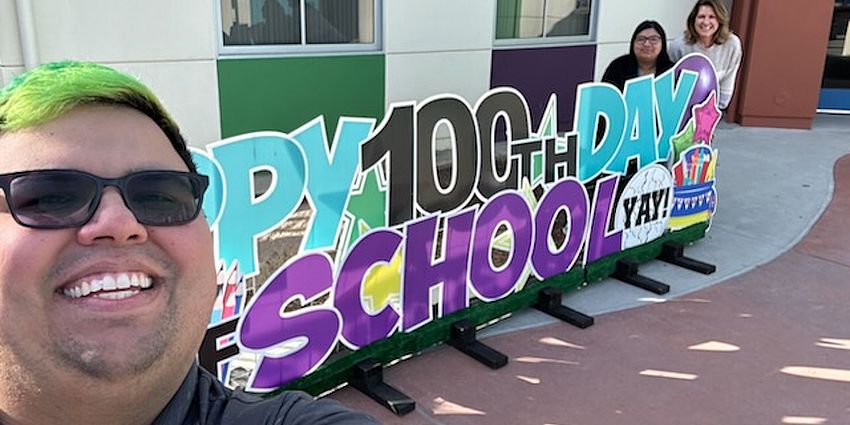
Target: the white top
pixel 725 57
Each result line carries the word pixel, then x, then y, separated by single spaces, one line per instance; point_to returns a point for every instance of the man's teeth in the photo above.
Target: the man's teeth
pixel 120 286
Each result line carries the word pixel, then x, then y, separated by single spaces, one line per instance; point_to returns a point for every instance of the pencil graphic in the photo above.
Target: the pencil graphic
pixel 219 293
pixel 229 298
pixel 240 296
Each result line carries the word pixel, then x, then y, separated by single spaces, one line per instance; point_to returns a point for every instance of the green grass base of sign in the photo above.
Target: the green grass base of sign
pixel 339 371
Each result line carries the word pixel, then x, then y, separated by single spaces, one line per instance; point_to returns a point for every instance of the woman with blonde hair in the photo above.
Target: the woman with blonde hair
pixel 708 33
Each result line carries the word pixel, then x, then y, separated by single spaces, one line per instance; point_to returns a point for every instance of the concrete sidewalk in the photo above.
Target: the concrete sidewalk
pixel 768 346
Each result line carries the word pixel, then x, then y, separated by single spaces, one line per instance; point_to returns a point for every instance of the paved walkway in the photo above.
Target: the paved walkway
pixel 770 344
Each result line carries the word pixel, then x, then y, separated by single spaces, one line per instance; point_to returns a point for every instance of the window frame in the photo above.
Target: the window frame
pixel 303 49
pixel 544 41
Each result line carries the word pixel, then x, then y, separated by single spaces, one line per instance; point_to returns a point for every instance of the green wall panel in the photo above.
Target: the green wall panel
pixel 284 93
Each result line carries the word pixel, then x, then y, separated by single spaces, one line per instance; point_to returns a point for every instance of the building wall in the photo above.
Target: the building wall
pixel 11 62
pixel 438 46
pixel 539 72
pixel 429 48
pixel 283 93
pixel 169 45
pixel 773 91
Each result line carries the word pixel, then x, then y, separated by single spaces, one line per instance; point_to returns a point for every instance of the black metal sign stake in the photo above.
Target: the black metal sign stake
pixel 673 253
pixel 627 271
pixel 369 379
pixel 549 302
pixel 463 338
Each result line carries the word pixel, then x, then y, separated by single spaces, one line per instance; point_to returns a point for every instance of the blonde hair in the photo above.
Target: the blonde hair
pixel 723 31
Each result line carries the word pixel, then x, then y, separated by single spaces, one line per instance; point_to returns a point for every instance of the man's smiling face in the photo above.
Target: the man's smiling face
pixel 112 298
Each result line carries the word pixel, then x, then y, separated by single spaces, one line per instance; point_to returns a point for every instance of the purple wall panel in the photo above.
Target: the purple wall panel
pixel 538 72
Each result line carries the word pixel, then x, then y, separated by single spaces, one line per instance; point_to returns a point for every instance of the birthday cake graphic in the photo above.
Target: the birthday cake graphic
pixel 694 195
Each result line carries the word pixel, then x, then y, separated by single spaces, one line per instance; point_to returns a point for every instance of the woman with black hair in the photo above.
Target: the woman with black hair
pixel 647 55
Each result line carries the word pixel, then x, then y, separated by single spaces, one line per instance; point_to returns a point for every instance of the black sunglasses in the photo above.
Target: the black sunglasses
pixel 55 199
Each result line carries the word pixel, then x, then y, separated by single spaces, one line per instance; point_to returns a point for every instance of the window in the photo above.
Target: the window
pixel 298 26
pixel 546 21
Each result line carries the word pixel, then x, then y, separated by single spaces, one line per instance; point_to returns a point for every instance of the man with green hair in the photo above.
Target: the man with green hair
pixel 106 266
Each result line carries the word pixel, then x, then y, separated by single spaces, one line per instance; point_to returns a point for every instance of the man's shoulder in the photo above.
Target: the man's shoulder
pixel 287 408
pixel 211 403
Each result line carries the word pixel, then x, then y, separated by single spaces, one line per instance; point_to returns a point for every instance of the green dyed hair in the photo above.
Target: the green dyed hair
pixel 49 91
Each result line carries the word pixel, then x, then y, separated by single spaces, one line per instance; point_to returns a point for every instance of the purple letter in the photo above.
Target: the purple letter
pixel 491 283
pixel 265 327
pixel 359 328
pixel 601 243
pixel 547 260
pixel 421 272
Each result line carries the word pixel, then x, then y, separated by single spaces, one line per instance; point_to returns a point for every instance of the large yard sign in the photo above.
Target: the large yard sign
pixel 396 234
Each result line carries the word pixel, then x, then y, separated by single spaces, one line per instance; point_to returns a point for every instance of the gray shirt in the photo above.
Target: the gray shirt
pixel 203 400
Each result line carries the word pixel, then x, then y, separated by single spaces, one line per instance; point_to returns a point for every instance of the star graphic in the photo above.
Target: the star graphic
pixel 366 208
pixel 382 284
pixel 548 129
pixel 707 116
pixel 683 140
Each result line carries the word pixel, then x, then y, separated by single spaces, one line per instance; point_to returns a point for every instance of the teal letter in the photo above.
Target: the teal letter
pixel 330 174
pixel 639 140
pixel 593 101
pixel 672 104
pixel 246 216
pixel 215 191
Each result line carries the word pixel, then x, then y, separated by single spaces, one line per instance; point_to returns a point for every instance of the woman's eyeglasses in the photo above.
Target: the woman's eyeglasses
pixel 55 199
pixel 653 39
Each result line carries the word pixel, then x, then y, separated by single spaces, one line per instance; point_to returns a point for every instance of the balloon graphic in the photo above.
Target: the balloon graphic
pixel 706 81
